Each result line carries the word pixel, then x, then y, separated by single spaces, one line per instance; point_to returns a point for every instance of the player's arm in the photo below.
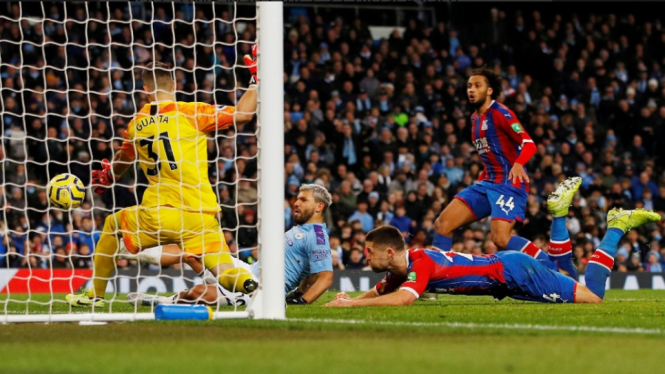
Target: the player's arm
pixel 122 160
pixel 209 118
pixel 513 128
pixel 316 285
pixel 372 298
pixel 320 265
pixel 393 290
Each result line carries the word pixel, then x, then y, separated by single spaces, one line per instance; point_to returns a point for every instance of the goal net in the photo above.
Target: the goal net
pixel 70 80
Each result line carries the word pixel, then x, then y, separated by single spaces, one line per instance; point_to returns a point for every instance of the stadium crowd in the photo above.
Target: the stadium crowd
pixel 383 124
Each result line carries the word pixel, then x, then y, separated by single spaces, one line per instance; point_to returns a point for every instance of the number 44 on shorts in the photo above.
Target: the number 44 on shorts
pixel 505 204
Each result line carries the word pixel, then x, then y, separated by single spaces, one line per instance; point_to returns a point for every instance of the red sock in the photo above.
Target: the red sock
pixel 532 250
pixel 557 248
pixel 603 259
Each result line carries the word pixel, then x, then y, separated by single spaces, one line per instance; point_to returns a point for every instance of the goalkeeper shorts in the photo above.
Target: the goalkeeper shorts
pixel 195 232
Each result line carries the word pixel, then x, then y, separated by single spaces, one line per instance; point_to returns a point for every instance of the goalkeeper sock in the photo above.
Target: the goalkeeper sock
pixel 235 279
pixel 104 261
pixel 602 261
pixel 207 276
pixel 560 249
pixel 152 255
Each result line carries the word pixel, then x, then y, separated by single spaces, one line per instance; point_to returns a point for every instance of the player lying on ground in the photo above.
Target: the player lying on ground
pixel 179 206
pixel 504 274
pixel 308 262
pixel 504 148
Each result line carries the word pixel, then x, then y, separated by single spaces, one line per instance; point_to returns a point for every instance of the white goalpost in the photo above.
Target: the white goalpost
pixel 69 85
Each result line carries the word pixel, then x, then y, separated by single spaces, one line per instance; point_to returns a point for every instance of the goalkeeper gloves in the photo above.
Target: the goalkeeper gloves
pixel 103 178
pixel 251 64
pixel 295 298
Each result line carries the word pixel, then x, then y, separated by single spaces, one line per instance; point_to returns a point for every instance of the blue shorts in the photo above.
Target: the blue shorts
pixel 501 201
pixel 529 279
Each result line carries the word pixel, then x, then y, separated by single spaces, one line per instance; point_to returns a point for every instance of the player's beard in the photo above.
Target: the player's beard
pixel 305 215
pixel 479 102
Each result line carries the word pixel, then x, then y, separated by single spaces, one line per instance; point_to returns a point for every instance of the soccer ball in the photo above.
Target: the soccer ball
pixel 66 191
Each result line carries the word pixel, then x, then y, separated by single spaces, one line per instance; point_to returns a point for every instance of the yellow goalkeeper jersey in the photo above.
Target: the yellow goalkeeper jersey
pixel 170 140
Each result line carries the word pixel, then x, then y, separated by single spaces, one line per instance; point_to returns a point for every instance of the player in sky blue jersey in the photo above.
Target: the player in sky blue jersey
pixel 308 260
pixel 411 272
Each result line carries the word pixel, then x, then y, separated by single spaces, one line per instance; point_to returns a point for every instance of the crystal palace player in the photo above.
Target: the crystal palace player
pixel 503 186
pixel 508 273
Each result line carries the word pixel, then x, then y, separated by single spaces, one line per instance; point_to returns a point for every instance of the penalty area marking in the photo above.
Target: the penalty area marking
pixel 616 330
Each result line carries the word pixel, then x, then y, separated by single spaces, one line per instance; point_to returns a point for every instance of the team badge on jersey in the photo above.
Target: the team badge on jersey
pixel 484 126
pixel 517 128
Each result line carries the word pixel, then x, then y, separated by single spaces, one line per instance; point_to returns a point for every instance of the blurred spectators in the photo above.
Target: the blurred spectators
pixel 383 123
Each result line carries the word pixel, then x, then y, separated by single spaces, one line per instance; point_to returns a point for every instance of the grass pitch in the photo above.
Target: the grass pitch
pixel 455 334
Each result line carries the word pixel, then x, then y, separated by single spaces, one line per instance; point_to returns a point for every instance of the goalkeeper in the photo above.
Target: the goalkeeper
pixel 308 261
pixel 169 139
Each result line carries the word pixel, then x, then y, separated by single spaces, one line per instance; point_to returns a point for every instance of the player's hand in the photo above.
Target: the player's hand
pixel 295 298
pixel 342 295
pixel 340 303
pixel 296 301
pixel 517 173
pixel 250 61
pixel 101 179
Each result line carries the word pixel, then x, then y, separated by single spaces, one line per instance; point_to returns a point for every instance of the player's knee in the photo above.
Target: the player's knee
pixel 500 239
pixel 442 226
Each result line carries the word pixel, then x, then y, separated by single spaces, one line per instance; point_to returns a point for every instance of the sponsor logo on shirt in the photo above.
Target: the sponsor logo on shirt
pixel 320 235
pixel 300 235
pixel 482 146
pixel 320 254
pixel 517 128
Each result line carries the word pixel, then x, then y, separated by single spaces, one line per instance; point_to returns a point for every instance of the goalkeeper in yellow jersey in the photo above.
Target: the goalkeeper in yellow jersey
pixel 169 139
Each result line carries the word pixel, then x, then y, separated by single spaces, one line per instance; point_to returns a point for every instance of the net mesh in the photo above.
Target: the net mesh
pixel 70 78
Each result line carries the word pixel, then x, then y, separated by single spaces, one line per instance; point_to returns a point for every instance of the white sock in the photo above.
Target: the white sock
pixel 151 255
pixel 166 300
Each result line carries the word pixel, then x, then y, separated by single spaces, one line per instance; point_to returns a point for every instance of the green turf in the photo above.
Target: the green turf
pixel 421 338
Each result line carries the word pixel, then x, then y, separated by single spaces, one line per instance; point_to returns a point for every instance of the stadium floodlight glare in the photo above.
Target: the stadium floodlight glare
pixel 129 27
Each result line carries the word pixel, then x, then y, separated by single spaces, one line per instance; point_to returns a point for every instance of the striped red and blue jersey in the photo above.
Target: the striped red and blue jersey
pixel 446 272
pixel 499 137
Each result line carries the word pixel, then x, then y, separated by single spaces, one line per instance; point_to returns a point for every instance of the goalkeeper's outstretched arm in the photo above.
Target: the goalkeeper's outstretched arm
pixel 246 107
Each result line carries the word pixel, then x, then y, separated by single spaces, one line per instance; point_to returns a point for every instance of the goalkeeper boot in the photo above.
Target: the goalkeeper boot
pixel 83 299
pixel 561 199
pixel 250 285
pixel 626 220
